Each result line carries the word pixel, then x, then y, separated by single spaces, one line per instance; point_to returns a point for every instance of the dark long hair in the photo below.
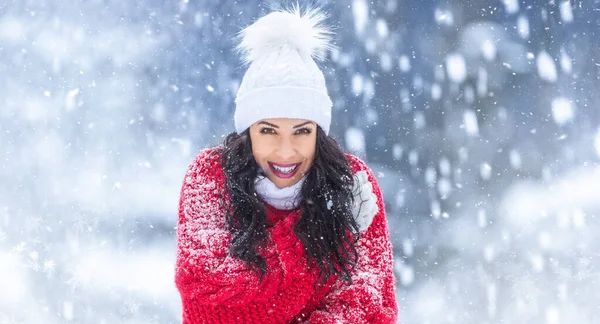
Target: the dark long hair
pixel 326 228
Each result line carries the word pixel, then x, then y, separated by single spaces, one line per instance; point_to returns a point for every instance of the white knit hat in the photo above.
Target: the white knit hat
pixel 283 80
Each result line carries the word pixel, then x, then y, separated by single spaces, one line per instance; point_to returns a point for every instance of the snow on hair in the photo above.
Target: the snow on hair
pixel 305 32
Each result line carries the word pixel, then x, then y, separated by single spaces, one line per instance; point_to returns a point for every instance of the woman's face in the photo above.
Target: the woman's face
pixel 284 148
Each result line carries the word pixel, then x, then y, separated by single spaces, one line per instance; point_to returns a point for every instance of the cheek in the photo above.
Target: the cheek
pixel 261 145
pixel 308 149
pixel 258 149
pixel 260 154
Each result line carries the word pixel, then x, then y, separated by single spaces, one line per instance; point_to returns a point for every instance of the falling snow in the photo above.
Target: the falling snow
pixel 546 67
pixel 482 117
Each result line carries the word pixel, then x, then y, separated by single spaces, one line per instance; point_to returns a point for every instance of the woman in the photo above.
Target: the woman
pixel 277 224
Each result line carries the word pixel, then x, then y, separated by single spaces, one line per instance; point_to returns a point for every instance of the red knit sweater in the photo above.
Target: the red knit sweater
pixel 216 287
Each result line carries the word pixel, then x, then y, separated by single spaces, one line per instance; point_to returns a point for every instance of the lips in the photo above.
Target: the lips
pixel 282 174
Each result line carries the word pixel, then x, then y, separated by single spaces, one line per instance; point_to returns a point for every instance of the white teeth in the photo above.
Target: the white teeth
pixel 285 170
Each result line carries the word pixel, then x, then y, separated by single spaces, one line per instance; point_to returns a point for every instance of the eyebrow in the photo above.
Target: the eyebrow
pixel 308 122
pixel 275 126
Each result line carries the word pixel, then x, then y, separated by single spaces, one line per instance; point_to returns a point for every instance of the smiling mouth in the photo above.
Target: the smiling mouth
pixel 284 171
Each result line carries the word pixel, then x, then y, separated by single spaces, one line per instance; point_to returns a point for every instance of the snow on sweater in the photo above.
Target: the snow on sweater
pixel 216 287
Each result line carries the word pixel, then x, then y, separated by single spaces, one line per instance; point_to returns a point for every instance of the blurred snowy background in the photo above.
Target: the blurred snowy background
pixel 480 118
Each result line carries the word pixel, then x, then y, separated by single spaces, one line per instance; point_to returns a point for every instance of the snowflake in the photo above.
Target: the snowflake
pixel 33 261
pixel 2 236
pixel 132 306
pixel 81 224
pixel 47 246
pixel 18 249
pixel 35 223
pixel 81 277
pixel 526 287
pixel 49 267
pixel 525 227
pixel 35 241
pixel 565 274
pixel 585 262
pixel 585 270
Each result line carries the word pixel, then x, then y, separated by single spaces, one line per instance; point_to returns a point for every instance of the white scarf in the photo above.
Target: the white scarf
pixel 287 198
pixel 365 201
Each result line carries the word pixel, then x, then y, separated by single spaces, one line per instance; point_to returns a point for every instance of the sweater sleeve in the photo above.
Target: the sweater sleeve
pixel 205 270
pixel 371 296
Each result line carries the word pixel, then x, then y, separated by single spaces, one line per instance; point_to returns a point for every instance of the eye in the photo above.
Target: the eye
pixel 267 130
pixel 304 131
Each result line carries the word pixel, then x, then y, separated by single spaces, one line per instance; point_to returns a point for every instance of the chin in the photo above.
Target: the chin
pixel 280 183
pixel 283 184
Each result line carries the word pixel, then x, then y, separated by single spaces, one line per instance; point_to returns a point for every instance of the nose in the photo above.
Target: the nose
pixel 286 150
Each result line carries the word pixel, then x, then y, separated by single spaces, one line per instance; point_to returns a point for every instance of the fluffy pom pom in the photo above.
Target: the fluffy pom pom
pixel 304 32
